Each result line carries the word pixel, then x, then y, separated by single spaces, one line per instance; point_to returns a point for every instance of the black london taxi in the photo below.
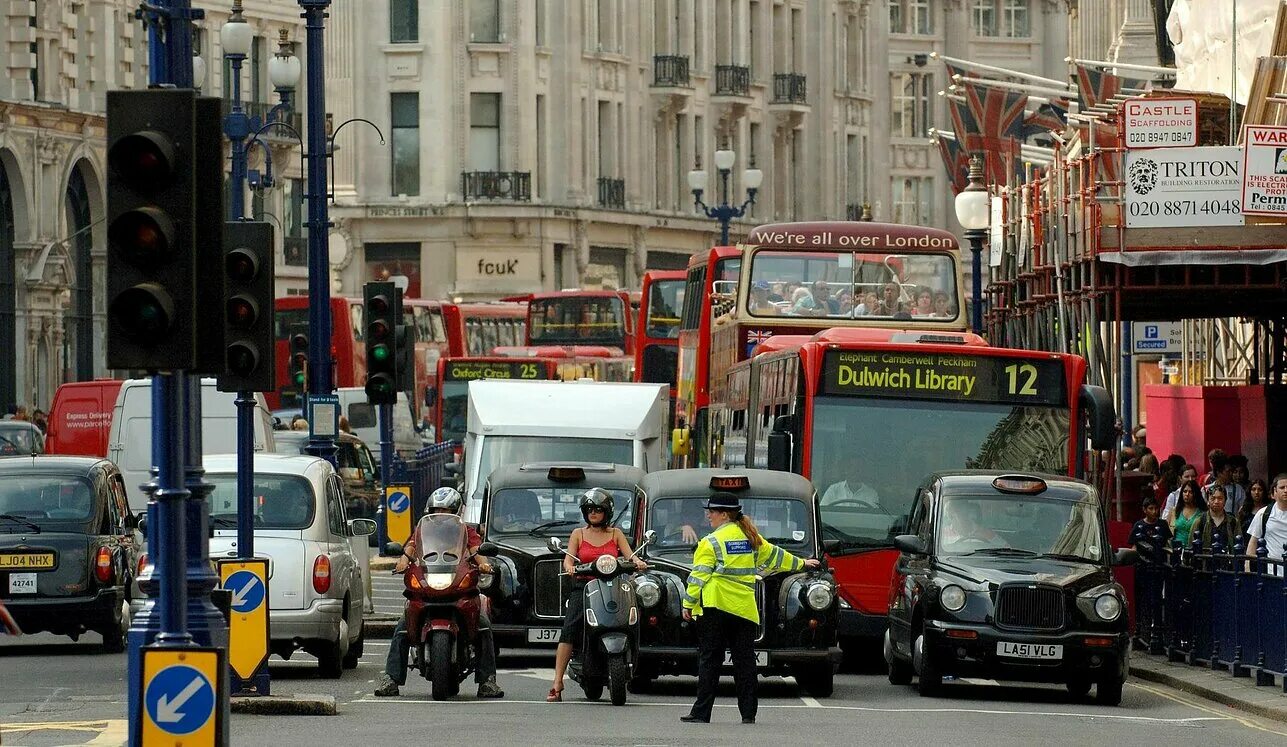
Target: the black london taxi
pixel 523 506
pixel 68 547
pixel 797 634
pixel 1008 576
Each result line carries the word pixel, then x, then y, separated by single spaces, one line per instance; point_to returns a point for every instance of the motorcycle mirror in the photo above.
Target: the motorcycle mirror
pixel 487 549
pixel 650 536
pixel 393 548
pixel 554 544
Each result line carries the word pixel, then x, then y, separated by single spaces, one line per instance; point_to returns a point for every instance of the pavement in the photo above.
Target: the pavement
pixel 1242 693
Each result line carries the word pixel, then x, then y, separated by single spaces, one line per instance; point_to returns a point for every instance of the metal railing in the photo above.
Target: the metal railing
pixel 425 472
pixel 612 192
pixel 497 185
pixel 669 70
pixel 732 80
pixel 790 88
pixel 1215 607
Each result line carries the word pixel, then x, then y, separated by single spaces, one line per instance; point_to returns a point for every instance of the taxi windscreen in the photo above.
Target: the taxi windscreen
pixel 1015 526
pixel 550 511
pixel 681 522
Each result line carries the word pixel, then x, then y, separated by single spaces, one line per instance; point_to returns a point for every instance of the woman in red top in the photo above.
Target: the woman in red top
pixel 597 537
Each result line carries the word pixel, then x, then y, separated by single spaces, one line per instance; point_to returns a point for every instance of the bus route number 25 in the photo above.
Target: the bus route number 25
pixel 529 371
pixel 1022 379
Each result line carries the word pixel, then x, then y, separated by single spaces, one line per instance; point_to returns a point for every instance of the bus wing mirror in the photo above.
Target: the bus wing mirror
pixel 1099 415
pixel 784 423
pixel 779 451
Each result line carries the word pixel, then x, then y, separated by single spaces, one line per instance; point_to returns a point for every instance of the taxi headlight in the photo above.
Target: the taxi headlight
pixel 952 598
pixel 819 595
pixel 648 592
pixel 1108 607
pixel 606 564
pixel 439 581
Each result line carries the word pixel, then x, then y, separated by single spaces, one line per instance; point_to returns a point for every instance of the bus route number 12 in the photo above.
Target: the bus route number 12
pixel 1028 373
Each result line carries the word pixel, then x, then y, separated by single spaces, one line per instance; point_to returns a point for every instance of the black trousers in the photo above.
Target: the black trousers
pixel 717 632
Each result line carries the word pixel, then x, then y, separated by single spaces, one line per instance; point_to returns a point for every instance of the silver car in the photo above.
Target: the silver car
pixel 317 556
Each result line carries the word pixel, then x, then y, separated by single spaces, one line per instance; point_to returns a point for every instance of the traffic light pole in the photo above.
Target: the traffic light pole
pixel 319 275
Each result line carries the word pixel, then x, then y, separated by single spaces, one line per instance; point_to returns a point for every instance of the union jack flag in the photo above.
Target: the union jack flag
pixel 956 161
pixel 757 336
pixel 998 114
pixel 1047 117
pixel 1095 86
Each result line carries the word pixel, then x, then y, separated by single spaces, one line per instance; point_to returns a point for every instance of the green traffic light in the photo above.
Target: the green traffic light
pixel 380 353
pixel 299 378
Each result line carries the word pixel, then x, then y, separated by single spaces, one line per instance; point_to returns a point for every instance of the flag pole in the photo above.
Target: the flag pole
pixel 995 69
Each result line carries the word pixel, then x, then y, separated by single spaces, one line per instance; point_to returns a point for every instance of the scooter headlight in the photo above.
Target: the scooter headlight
pixel 648 591
pixel 439 581
pixel 819 595
pixel 606 564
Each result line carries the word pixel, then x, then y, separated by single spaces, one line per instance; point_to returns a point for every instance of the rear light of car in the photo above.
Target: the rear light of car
pixel 103 565
pixel 142 564
pixel 322 574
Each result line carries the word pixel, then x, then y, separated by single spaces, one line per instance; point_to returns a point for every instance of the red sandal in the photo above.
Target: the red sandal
pixel 555 696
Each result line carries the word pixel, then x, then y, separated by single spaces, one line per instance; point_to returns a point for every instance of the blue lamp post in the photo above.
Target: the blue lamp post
pixel 973 213
pixel 236 36
pixel 724 212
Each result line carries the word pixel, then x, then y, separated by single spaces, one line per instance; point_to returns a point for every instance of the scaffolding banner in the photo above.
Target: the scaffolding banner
pixel 1264 172
pixel 1179 187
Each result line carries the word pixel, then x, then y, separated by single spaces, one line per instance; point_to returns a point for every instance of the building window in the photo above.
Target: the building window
pixel 405 121
pixel 910 93
pixel 392 260
pixel 911 16
pixel 1014 19
pixel 484 131
pixel 1005 18
pixel 540 23
pixel 484 21
pixel 404 21
pixel 983 18
pixel 912 200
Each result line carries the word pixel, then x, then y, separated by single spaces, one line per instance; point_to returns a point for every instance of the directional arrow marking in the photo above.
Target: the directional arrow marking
pixel 167 710
pixel 239 595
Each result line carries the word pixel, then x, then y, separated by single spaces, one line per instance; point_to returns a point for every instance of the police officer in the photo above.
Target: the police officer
pixel 721 598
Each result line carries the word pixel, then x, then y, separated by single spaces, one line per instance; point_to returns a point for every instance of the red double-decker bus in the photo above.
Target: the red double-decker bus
pixel 867 413
pixel 451 401
pixel 576 362
pixel 794 278
pixel 442 330
pixel 657 328
pixel 579 317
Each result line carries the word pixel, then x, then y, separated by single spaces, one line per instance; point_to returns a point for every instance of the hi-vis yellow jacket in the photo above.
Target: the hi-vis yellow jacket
pixel 724 570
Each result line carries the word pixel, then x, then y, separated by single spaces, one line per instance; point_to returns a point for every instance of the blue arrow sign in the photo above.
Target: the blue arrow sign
pixel 399 502
pixel 180 700
pixel 247 591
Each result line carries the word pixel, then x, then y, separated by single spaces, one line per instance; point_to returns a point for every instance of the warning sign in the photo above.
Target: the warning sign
pixel 1161 123
pixel 1264 170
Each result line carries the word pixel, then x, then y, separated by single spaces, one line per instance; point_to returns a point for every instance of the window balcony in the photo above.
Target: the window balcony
pixel 612 192
pixel 732 80
pixel 513 186
pixel 790 88
pixel 670 71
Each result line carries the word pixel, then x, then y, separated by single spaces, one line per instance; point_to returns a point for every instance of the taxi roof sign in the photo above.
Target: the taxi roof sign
pixel 1024 484
pixel 730 482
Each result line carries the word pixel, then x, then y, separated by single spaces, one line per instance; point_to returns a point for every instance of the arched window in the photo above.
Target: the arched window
pixel 78 324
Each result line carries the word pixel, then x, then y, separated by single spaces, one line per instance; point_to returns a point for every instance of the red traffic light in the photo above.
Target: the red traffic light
pixel 242 312
pixel 242 266
pixel 144 236
pixel 143 312
pixel 143 159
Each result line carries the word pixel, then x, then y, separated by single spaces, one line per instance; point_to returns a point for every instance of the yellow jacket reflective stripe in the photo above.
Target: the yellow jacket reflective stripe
pixel 725 568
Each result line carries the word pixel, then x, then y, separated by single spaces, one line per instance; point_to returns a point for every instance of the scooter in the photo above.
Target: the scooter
pixel 609 647
pixel 443 603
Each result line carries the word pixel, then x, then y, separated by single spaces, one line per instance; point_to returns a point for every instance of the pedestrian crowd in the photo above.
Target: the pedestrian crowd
pixel 36 417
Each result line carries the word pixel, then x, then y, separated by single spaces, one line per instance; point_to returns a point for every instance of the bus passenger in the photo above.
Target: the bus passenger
pixel 889 301
pixel 759 303
pixel 924 303
pixel 942 305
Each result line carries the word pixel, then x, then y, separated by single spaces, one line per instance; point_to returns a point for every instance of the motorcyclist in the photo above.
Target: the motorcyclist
pixel 442 501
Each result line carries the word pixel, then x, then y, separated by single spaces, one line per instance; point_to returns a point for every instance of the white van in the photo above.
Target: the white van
pixel 129 443
pixel 512 422
pixel 366 426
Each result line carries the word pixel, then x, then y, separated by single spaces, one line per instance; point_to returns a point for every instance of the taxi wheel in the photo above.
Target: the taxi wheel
pixel 1109 693
pixel 930 680
pixel 900 672
pixel 114 637
pixel 330 661
pixel 818 681
pixel 354 655
pixel 1079 688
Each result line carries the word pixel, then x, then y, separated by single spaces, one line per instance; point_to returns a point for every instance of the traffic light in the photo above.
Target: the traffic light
pixel 248 305
pixel 406 365
pixel 299 357
pixel 381 315
pixel 208 232
pixel 151 214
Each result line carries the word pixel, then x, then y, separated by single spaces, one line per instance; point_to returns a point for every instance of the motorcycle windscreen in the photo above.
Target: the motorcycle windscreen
pixel 441 540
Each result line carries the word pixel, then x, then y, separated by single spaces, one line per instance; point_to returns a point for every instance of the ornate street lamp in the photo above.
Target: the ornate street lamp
pixel 724 212
pixel 973 213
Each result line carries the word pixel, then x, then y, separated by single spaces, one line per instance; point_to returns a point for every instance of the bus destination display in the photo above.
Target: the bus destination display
pixel 1026 381
pixel 472 370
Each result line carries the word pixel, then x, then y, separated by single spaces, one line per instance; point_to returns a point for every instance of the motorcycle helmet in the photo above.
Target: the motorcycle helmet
pixel 596 498
pixel 444 500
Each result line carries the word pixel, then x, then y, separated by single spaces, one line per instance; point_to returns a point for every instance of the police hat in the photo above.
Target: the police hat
pixel 723 502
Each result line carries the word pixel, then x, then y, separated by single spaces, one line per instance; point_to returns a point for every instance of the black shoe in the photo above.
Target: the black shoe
pixel 691 719
pixel 748 720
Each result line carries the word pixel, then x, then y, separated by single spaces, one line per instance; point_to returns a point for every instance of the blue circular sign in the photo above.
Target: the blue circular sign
pixel 247 591
pixel 399 502
pixel 179 699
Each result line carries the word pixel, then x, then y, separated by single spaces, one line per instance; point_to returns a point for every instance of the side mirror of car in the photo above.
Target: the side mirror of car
pixel 910 544
pixel 361 527
pixel 140 523
pixel 1125 556
pixel 393 548
pixel 488 549
pixel 830 546
pixel 554 544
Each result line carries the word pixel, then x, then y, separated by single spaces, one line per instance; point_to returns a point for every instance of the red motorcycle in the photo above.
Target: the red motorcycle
pixel 443 602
